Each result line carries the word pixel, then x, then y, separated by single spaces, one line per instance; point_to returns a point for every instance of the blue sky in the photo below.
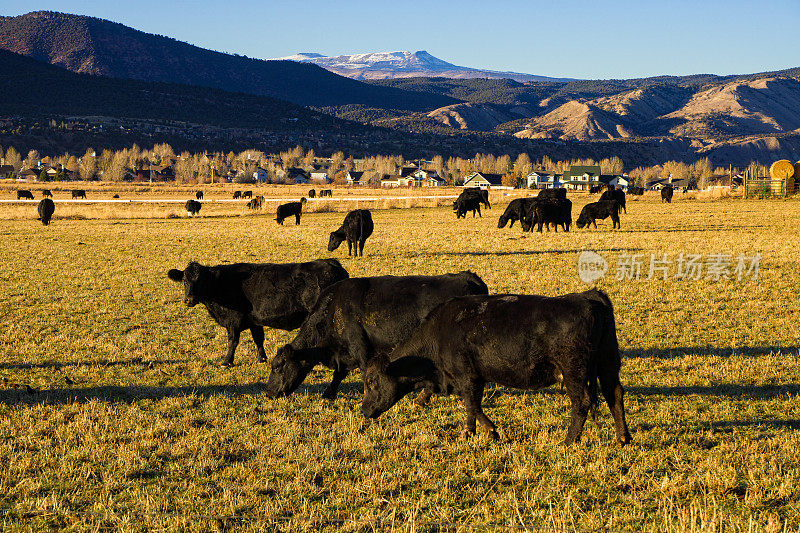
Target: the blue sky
pixel 563 38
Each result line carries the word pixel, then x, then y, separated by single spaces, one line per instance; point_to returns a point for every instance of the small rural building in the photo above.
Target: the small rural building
pixel 355 178
pixel 320 177
pixel 543 180
pixel 390 181
pixel 6 170
pixel 483 180
pixel 260 174
pixel 28 174
pixel 582 177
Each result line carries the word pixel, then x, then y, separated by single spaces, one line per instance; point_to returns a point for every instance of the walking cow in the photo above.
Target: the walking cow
pixel 469 341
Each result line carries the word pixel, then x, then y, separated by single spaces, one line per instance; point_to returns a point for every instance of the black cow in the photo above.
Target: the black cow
pixel 476 192
pixel 463 204
pixel 515 210
pixel 199 195
pixel 636 191
pixel 250 296
pixel 554 194
pixel 193 207
pixel 360 317
pixel 546 212
pixel 78 193
pixel 46 193
pixel 115 196
pixel 357 226
pixel 292 208
pixel 237 195
pixel 594 189
pixel 312 193
pixel 591 212
pixel 325 192
pixel 469 341
pixel 614 194
pixel 46 210
pixel 247 194
pixel 666 194
pixel 24 194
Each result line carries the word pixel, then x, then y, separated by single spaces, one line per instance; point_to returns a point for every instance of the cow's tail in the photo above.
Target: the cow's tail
pixel 604 357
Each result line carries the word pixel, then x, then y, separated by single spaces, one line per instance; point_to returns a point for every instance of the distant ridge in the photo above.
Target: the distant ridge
pixel 90 45
pixel 403 64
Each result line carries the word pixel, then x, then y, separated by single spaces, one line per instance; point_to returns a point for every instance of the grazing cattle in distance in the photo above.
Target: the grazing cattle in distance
pixel 250 296
pixel 359 318
pixel 46 209
pixel 292 208
pixel 256 203
pixel 546 212
pixel 78 193
pixel 594 189
pixel 469 341
pixel 474 192
pixel 237 195
pixel 464 204
pixel 193 207
pixel 247 194
pixel 666 194
pixel 47 193
pixel 357 226
pixel 515 210
pixel 636 191
pixel 602 210
pixel 199 195
pixel 312 193
pixel 24 194
pixel 325 192
pixel 614 194
pixel 115 196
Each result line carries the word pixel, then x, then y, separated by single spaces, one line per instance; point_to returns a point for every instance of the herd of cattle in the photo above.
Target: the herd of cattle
pixel 440 334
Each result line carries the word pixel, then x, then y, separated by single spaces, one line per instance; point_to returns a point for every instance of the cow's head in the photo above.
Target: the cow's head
pixel 582 221
pixel 289 368
pixel 337 237
pixel 502 222
pixel 381 390
pixel 196 280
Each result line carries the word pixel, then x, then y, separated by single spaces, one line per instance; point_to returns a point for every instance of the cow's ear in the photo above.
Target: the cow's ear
pixel 175 275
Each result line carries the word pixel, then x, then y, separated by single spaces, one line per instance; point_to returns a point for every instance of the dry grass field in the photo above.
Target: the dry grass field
pixel 115 415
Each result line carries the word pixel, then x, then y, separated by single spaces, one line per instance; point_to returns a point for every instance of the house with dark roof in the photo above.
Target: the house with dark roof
pixel 483 180
pixel 355 178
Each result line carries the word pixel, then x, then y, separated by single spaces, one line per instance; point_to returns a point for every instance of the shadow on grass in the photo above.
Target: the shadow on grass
pixel 688 229
pixel 531 252
pixel 726 425
pixel 671 353
pixel 59 364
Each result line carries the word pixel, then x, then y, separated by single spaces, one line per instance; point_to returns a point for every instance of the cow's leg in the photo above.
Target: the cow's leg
pixel 297 219
pixel 338 376
pixel 258 338
pixel 472 398
pixel 512 222
pixel 479 212
pixel 578 392
pixel 349 247
pixel 233 342
pixel 613 393
pixel 594 221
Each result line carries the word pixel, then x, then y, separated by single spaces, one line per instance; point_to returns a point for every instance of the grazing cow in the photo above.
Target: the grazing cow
pixel 247 194
pixel 666 194
pixel 357 226
pixel 591 212
pixel 115 196
pixel 546 212
pixel 325 192
pixel 292 208
pixel 46 193
pixel 552 194
pixel 250 296
pixel 469 341
pixel 636 191
pixel 312 193
pixel 594 189
pixel 256 203
pixel 237 195
pixel 199 195
pixel 78 193
pixel 515 210
pixel 193 207
pixel 462 205
pixel 358 318
pixel 24 194
pixel 474 192
pixel 46 209
pixel 614 194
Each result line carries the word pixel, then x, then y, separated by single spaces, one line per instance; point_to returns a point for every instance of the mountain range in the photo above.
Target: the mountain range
pixel 738 116
pixel 389 65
